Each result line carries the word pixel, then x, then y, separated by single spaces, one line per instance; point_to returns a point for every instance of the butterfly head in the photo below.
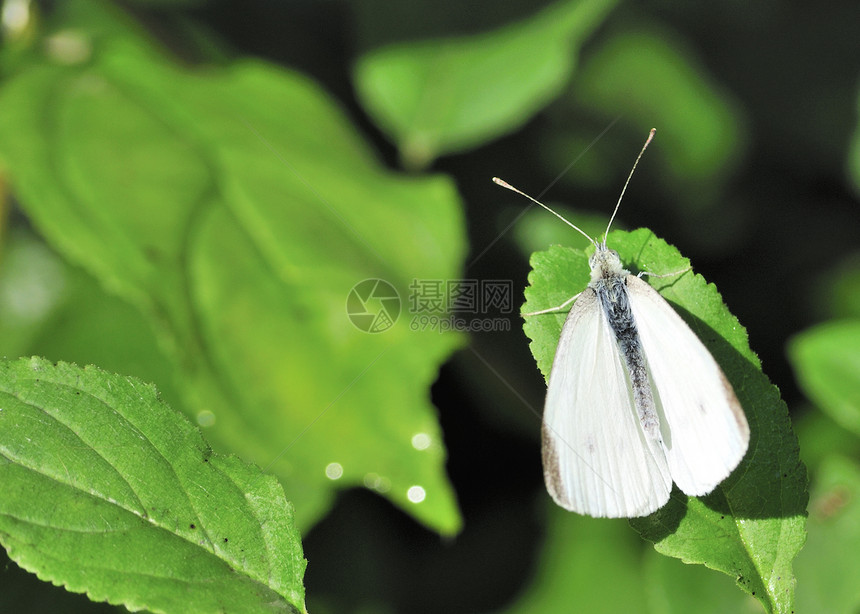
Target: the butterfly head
pixel 605 263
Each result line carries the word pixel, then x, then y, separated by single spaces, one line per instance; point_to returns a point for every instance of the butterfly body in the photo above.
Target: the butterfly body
pixel 609 283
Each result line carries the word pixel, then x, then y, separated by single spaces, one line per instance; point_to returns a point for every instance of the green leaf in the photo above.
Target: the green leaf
pixel 108 491
pixel 752 526
pixel 237 208
pixel 826 360
pixel 437 97
pixel 834 540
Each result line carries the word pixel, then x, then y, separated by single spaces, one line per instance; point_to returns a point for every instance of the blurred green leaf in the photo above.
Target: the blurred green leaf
pixel 651 75
pixel 32 288
pixel 752 526
pixel 584 562
pixel 830 553
pixel 837 293
pixel 672 587
pixel 821 437
pixel 853 158
pixel 237 208
pixel 826 361
pixel 49 308
pixel 169 3
pixel 108 491
pixel 650 78
pixel 536 230
pixel 437 97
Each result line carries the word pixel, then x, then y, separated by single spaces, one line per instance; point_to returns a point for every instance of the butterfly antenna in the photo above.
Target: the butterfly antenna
pixel 624 189
pixel 505 184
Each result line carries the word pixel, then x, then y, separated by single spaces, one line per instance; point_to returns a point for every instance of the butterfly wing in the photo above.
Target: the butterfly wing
pixel 704 429
pixel 597 459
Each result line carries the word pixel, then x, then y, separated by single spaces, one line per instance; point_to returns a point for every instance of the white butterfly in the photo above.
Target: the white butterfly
pixel 635 401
